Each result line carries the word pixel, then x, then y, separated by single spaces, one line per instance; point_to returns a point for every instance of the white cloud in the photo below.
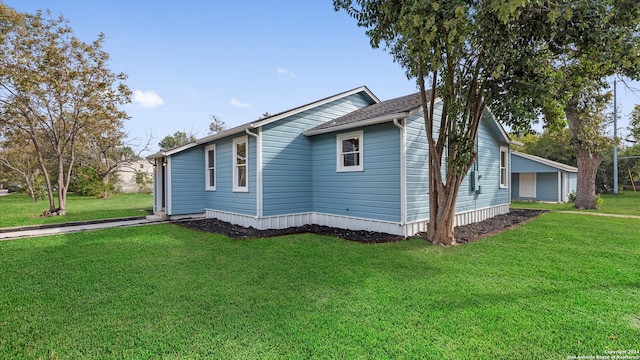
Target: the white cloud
pixel 237 103
pixel 147 99
pixel 191 92
pixel 283 71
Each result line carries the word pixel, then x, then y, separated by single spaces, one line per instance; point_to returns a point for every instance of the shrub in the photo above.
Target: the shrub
pixel 599 201
pixel 144 182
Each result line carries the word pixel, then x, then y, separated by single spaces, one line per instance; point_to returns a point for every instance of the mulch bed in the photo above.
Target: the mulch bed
pixel 463 234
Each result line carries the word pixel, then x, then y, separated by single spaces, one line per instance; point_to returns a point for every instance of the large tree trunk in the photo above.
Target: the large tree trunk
pixel 588 164
pixel 588 160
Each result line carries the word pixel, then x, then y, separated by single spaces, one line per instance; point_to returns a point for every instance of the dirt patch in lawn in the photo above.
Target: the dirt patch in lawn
pixel 463 234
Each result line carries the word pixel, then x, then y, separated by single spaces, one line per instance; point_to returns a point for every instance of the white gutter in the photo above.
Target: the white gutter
pixel 403 174
pixel 258 137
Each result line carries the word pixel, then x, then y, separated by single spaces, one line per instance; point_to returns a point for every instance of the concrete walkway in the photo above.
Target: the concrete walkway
pixel 34 231
pixel 599 214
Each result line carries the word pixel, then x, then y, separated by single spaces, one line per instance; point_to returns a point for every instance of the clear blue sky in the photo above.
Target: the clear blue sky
pixel 187 60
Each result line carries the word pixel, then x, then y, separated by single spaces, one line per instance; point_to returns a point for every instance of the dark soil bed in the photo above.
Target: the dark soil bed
pixel 463 234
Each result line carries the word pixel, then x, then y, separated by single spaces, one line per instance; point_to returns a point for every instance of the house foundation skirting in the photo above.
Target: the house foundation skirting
pixel 300 219
pixel 345 222
pixel 462 218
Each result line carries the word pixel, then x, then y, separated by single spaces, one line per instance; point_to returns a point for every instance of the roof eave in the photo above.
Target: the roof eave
pixel 161 154
pixel 225 133
pixel 316 104
pixel 361 123
pixel 544 161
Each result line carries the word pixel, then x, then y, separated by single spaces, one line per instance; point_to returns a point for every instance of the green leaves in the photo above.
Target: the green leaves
pixel 57 90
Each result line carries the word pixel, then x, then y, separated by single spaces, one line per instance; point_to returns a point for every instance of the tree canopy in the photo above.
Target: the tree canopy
pixel 451 45
pixel 634 124
pixel 521 58
pixel 216 125
pixel 178 138
pixel 57 91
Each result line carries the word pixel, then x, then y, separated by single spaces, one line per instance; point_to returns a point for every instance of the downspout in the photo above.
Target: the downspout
pixel 403 176
pixel 258 137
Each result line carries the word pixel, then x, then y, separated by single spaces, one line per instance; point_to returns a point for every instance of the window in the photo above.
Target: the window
pixel 240 170
pixel 349 150
pixel 504 178
pixel 210 163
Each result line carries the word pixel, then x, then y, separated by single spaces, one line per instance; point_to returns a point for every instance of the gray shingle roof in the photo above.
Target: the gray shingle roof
pixel 403 104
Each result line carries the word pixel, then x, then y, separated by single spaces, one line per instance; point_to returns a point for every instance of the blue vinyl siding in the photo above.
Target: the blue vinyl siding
pixel 373 193
pixel 523 165
pixel 224 198
pixel 547 186
pixel 515 185
pixel 546 178
pixel 187 181
pixel 488 165
pixel 287 158
pixel 417 161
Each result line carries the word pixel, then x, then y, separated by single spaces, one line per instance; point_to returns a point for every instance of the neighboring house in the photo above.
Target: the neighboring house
pixel 128 174
pixel 348 161
pixel 540 179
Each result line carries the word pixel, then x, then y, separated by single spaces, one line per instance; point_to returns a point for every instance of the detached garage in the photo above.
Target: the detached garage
pixel 540 179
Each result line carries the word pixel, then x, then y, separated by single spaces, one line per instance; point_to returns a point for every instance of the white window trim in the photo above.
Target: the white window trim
pixel 208 187
pixel 350 135
pixel 505 150
pixel 236 141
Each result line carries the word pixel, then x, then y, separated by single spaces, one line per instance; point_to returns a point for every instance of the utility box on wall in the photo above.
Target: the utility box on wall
pixel 475 181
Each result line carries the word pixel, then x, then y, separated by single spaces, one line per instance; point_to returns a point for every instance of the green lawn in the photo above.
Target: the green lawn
pixel 625 203
pixel 19 210
pixel 561 285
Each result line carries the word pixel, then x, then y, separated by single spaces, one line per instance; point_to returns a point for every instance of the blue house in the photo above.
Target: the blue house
pixel 539 179
pixel 348 160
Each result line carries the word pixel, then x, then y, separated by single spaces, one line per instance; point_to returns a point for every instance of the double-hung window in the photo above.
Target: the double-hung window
pixel 210 163
pixel 504 161
pixel 350 151
pixel 240 164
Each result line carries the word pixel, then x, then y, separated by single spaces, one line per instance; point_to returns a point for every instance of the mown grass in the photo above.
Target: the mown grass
pixel 561 285
pixel 625 203
pixel 19 210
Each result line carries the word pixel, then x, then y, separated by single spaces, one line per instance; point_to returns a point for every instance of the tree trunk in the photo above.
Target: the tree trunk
pixel 62 189
pixel 31 187
pixel 441 222
pixel 588 160
pixel 105 187
pixel 588 164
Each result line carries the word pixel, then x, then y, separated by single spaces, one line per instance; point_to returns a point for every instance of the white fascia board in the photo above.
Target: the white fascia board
pixel 162 154
pixel 503 133
pixel 258 123
pixel 155 156
pixel 357 124
pixel 316 104
pixel 554 164
pixel 221 134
